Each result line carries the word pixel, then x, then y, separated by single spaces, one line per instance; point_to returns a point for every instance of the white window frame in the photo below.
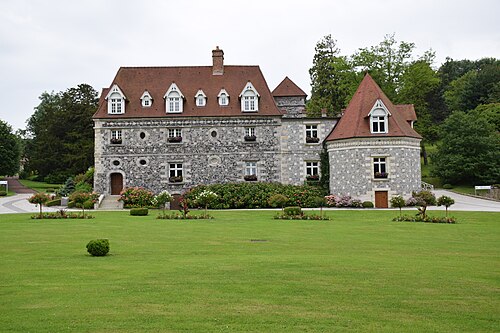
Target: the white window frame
pixel 312 168
pixel 312 130
pixel 250 168
pixel 174 132
pixel 116 134
pixel 379 118
pixel 250 131
pixel 379 165
pixel 249 98
pixel 116 100
pixel 175 169
pixel 146 100
pixel 200 98
pixel 174 100
pixel 223 98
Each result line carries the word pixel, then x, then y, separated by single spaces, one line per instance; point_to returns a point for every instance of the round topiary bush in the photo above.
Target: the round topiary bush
pixel 3 193
pixel 447 186
pixel 293 211
pixel 139 211
pixel 367 204
pixel 98 247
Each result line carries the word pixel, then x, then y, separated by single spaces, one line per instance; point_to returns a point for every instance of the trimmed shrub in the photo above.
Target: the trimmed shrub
pixel 447 186
pixel 98 247
pixel 139 211
pixel 255 194
pixel 3 193
pixel 367 204
pixel 277 200
pixel 55 202
pixel 343 201
pixel 292 211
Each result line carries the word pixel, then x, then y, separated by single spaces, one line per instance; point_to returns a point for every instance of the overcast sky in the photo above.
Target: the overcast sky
pixel 53 45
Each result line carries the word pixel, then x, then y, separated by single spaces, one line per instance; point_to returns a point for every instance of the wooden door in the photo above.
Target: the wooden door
pixel 381 199
pixel 116 183
pixel 175 205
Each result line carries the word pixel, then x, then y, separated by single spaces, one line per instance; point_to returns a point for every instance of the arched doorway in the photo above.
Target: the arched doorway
pixel 116 183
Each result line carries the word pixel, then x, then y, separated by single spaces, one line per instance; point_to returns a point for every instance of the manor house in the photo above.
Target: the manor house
pixel 177 127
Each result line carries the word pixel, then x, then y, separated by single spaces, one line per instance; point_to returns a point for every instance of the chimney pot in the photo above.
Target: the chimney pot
pixel 217 61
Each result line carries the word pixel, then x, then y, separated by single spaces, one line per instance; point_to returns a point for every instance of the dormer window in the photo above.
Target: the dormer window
pixel 146 100
pixel 249 98
pixel 116 100
pixel 174 99
pixel 223 98
pixel 379 116
pixel 201 98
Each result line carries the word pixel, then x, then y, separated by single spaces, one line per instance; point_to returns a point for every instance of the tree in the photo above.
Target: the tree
pixel 386 63
pixel 399 202
pixel 332 79
pixel 445 201
pixel 39 199
pixel 469 151
pixel 10 150
pixel 490 112
pixel 82 198
pixel 161 200
pixel 277 200
pixel 424 199
pixel 205 198
pixel 61 131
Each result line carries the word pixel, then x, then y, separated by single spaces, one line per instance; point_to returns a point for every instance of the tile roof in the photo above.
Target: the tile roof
pixel 355 122
pixel 288 88
pixel 133 81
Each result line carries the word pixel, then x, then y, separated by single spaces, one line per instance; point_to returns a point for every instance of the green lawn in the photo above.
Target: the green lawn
pixel 39 186
pixel 245 272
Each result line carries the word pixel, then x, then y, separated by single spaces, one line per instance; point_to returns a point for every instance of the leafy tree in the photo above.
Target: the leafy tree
pixel 469 151
pixel 205 198
pixel 277 200
pixel 39 199
pixel 161 200
pixel 332 79
pixel 386 63
pixel 81 198
pixel 490 112
pixel 424 199
pixel 399 202
pixel 445 201
pixel 10 150
pixel 61 131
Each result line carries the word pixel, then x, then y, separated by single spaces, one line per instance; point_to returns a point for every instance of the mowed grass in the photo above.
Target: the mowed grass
pixel 245 272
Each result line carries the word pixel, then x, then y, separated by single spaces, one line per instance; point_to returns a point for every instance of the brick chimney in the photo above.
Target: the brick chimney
pixel 218 61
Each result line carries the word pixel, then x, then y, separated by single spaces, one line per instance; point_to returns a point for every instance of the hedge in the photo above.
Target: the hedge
pixel 139 211
pixel 255 195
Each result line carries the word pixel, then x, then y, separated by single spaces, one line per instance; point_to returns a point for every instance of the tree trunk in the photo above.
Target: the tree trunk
pixel 424 155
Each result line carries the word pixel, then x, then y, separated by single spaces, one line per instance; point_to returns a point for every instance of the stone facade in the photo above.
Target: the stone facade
pixel 352 171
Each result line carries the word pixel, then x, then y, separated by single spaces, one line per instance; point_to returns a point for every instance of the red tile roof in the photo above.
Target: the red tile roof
pixel 288 88
pixel 408 111
pixel 355 122
pixel 133 81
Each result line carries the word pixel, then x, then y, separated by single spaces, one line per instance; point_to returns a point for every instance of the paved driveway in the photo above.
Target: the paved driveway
pixel 466 203
pixel 19 204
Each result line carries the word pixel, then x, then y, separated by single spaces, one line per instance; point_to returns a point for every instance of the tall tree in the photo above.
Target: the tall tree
pixel 386 63
pixel 332 79
pixel 61 133
pixel 10 151
pixel 469 151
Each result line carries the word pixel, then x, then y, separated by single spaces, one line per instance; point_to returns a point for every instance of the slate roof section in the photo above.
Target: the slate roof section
pixel 133 81
pixel 355 122
pixel 287 88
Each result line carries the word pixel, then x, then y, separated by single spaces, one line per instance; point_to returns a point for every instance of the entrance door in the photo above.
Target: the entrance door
pixel 175 205
pixel 116 183
pixel 381 199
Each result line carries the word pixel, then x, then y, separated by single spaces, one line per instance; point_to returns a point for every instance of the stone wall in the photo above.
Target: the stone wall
pixel 291 106
pixel 213 150
pixel 351 166
pixel 295 152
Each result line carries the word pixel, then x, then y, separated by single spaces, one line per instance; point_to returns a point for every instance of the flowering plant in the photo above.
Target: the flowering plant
pixel 136 197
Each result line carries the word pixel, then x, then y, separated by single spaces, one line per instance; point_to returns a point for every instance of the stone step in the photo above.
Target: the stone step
pixel 110 202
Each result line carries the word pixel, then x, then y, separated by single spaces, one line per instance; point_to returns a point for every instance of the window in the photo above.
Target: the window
pixel 116 100
pixel 379 167
pixel 379 118
pixel 175 172
pixel 312 134
pixel 312 170
pixel 173 99
pixel 249 98
pixel 174 135
pixel 146 99
pixel 116 136
pixel 223 97
pixel 201 98
pixel 250 168
pixel 250 134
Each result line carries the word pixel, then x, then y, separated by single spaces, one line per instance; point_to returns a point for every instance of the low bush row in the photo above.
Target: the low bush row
pixel 427 219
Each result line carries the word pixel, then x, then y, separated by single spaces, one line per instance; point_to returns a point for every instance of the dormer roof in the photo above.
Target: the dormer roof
pixel 287 88
pixel 355 121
